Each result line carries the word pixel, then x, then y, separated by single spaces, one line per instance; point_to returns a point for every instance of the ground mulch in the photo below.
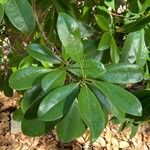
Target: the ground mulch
pixel 110 139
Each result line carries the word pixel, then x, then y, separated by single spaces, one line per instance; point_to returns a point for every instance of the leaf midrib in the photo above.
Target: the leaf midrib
pixel 60 99
pixel 118 96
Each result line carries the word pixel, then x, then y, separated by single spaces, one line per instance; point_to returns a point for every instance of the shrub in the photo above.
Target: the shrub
pixel 73 62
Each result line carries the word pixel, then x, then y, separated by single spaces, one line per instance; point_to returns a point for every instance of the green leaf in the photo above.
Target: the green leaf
pixel 123 73
pixel 91 69
pixel 147 36
pixel 135 25
pixel 69 34
pixel 36 127
pixel 63 6
pixel 57 103
pixel 102 22
pixel 53 80
pixel 130 47
pixel 1 12
pixel 133 6
pixel 114 51
pixel 86 30
pixel 100 10
pixel 25 78
pixel 27 61
pixel 17 115
pixel 90 49
pixel 142 93
pixel 42 53
pixel 29 97
pixel 91 112
pixel 105 41
pixel 3 1
pixel 146 107
pixel 107 104
pixel 20 14
pixel 60 6
pixel 134 129
pixel 71 126
pixel 120 98
pixel 142 53
pixel 145 5
pixel 31 112
pixel 134 49
pixel 86 15
pixel 110 3
pixel 4 83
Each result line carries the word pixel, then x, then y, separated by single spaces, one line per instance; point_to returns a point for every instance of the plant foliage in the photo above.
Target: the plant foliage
pixel 76 63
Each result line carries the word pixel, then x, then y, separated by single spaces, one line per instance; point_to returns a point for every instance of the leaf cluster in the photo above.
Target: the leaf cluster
pixel 78 63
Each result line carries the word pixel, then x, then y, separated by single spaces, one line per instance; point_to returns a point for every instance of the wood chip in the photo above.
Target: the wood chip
pixel 115 143
pixel 81 140
pixel 145 147
pixel 110 139
pixel 123 144
pixel 101 141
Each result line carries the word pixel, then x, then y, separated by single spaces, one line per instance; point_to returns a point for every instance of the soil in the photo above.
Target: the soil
pixel 110 139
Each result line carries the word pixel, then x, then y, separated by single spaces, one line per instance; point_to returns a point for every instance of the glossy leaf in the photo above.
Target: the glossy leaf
pixel 123 73
pixel 91 112
pixel 111 109
pixel 71 126
pixel 134 49
pixel 17 115
pixel 105 41
pixel 102 22
pixel 102 11
pixel 69 34
pixel 91 69
pixel 53 80
pixel 120 98
pixel 1 12
pixel 147 36
pixel 42 53
pixel 142 53
pixel 20 14
pixel 25 78
pixel 57 103
pixel 27 61
pixel 114 51
pixel 29 97
pixel 130 46
pixel 135 25
pixel 31 112
pixel 36 127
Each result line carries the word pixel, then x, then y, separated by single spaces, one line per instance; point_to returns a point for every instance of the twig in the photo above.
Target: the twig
pixel 121 16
